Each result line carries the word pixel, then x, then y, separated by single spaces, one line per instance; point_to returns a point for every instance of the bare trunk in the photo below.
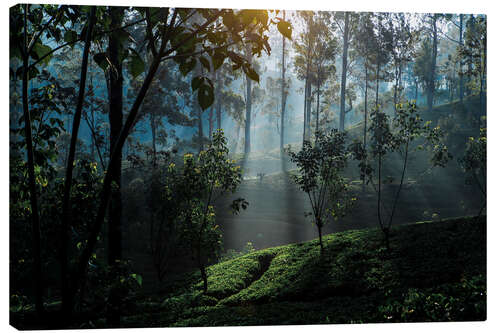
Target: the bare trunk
pixel 67 300
pixel 219 102
pixel 366 117
pixel 283 97
pixel 35 219
pixel 344 71
pixel 248 113
pixel 460 38
pixel 116 122
pixel 431 88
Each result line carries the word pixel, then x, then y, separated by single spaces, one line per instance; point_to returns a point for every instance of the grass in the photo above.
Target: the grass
pixel 434 271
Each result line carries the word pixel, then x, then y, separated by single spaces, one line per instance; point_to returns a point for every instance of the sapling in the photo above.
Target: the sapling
pixel 319 175
pixel 191 191
pixel 395 136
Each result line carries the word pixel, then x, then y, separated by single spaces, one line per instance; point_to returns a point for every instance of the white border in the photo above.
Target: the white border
pixel 423 6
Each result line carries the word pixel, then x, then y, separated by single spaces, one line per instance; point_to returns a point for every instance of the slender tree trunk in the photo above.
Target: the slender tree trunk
pixel 377 81
pixel 211 112
pixel 210 122
pixel 317 106
pixel 219 98
pixel 248 113
pixel 308 114
pixel 283 97
pixel 304 135
pixel 95 228
pixel 67 302
pixel 116 124
pixel 248 116
pixel 461 43
pixel 200 128
pixel 366 117
pixel 152 119
pixel 35 219
pixel 320 233
pixel 431 89
pixel 416 91
pixel 344 71
pixel 482 95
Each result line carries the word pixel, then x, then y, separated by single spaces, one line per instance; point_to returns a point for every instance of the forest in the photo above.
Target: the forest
pixel 233 167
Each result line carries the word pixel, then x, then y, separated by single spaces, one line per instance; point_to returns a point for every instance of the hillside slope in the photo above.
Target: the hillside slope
pixel 434 271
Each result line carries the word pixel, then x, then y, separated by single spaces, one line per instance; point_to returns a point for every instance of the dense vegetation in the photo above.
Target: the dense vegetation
pixel 129 177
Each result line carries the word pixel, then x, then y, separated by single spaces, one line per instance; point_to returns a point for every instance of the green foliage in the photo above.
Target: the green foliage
pixel 474 161
pixel 436 272
pixel 191 190
pixel 320 166
pixel 104 280
pixel 396 135
pixel 233 254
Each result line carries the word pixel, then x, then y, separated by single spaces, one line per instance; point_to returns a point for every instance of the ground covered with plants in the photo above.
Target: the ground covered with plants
pixel 434 271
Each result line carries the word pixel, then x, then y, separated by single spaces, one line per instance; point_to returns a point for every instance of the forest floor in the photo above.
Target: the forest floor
pixel 433 271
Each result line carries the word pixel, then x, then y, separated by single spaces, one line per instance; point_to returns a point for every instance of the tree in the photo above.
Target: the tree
pixel 403 39
pixel 364 47
pixel 191 191
pixel 324 50
pixel 474 54
pixel 302 63
pixel 473 163
pixel 24 51
pixel 320 167
pixel 423 66
pixel 407 126
pixel 346 29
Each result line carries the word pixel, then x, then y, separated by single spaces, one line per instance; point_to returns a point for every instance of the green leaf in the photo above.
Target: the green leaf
pixel 136 65
pixel 188 66
pixel 205 96
pixel 70 36
pixel 285 28
pixel 137 277
pixel 101 60
pixel 39 50
pixel 251 73
pixel 205 62
pixel 217 60
pixel 196 82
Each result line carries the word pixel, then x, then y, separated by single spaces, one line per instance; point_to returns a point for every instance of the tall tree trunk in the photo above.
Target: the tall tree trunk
pixel 82 264
pixel 377 81
pixel 210 122
pixel 67 300
pixel 431 88
pixel 461 43
pixel 219 98
pixel 200 128
pixel 304 134
pixel 344 71
pixel 482 99
pixel 416 91
pixel 248 113
pixel 35 219
pixel 211 112
pixel 308 114
pixel 366 115
pixel 152 119
pixel 317 105
pixel 115 100
pixel 283 97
